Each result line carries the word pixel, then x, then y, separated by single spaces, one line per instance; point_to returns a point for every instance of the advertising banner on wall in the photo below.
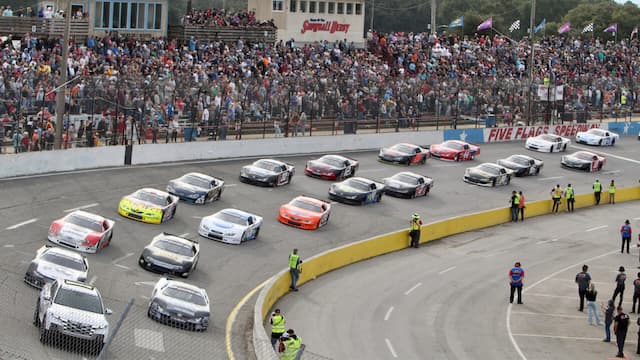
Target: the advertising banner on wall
pixel 524 132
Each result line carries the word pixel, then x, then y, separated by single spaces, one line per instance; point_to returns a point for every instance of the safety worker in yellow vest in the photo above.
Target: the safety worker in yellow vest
pixel 515 205
pixel 294 268
pixel 612 192
pixel 569 194
pixel 414 232
pixel 289 345
pixel 597 190
pixel 556 195
pixel 623 100
pixel 277 326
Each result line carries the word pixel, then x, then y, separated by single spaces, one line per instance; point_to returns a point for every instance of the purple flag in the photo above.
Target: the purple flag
pixel 564 28
pixel 487 24
pixel 612 28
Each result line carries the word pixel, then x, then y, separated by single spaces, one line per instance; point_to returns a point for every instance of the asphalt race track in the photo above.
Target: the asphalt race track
pixel 228 272
pixel 450 299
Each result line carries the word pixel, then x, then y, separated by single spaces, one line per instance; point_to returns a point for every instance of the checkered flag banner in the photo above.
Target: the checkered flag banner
pixel 588 28
pixel 515 26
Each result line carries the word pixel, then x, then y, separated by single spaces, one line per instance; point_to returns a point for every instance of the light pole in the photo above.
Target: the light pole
pixel 60 96
pixel 532 22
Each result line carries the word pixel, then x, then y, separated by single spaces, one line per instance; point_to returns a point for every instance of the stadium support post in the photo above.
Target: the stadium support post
pixel 532 24
pixel 60 98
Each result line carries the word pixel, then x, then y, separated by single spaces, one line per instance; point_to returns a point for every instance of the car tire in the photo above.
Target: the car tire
pixel 255 236
pixel 378 197
pixel 289 179
pixel 600 142
pixel 537 171
pixel 423 161
pixel 149 313
pixel 244 237
pixel 600 166
pixel 508 180
pixel 341 175
pixel 456 158
pixel 36 314
pixel 413 195
pixel 613 142
pixel 493 182
pixel 564 148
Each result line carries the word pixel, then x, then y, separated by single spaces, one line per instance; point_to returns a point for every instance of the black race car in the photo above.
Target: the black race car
pixel 332 167
pixel 404 153
pixel 196 188
pixel 170 254
pixel 357 190
pixel 522 165
pixel 488 174
pixel 407 184
pixel 267 172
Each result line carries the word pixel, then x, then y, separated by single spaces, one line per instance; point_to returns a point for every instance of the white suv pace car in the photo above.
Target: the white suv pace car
pixel 74 309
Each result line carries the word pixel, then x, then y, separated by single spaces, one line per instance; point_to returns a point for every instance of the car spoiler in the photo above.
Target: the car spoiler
pixel 195 241
pixel 217 178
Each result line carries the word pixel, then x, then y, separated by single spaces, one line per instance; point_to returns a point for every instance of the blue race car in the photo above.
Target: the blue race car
pixel 196 188
pixel 357 190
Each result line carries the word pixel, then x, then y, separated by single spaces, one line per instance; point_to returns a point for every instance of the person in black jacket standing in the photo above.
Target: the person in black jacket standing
pixel 620 326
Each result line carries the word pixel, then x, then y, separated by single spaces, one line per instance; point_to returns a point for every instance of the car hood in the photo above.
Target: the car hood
pixel 586 135
pixel 511 164
pixel 54 271
pixel 77 315
pixel 254 170
pixel 391 152
pixel 346 189
pixel 320 165
pixel 296 211
pixel 139 205
pixel 188 188
pixel 574 160
pixel 72 231
pixel 479 173
pixel 221 225
pixel 165 256
pixel 183 307
pixel 397 184
pixel 538 142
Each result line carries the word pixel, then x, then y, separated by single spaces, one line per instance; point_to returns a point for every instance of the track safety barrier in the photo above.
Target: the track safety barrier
pixel 333 259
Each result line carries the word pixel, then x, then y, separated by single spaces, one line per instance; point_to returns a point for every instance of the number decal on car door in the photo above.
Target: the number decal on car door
pixel 282 178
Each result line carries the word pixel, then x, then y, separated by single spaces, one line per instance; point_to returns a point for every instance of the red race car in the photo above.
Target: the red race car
pixel 454 150
pixel 305 213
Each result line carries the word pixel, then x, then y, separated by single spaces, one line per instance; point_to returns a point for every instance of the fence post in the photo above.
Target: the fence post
pixel 103 352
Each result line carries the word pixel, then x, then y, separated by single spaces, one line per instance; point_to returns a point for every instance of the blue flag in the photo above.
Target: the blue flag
pixel 540 26
pixel 459 22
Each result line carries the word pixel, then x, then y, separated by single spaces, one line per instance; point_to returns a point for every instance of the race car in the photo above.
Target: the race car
pixel 305 213
pixel 547 143
pixel 178 304
pixel 53 263
pixel 196 188
pixel 357 190
pixel 583 160
pixel 332 167
pixel 404 153
pixel 488 174
pixel 407 184
pixel 522 165
pixel 454 150
pixel 230 226
pixel 170 254
pixel 82 231
pixel 267 172
pixel 149 205
pixel 598 137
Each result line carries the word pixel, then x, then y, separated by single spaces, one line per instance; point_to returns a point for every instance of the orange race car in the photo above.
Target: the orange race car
pixel 305 213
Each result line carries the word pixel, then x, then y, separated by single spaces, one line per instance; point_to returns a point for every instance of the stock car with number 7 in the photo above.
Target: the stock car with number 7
pixel 268 172
pixel 454 150
pixel 149 205
pixel 357 190
pixel 404 153
pixel 583 160
pixel 305 213
pixel 522 165
pixel 488 174
pixel 407 184
pixel 332 167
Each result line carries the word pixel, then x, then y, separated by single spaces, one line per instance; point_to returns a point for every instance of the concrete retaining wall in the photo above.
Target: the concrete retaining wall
pixel 327 261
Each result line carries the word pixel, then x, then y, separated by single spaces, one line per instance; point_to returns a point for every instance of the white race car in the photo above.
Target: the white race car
pixel 230 226
pixel 547 143
pixel 82 231
pixel 599 137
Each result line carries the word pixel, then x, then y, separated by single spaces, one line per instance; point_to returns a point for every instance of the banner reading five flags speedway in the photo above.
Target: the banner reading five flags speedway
pixel 524 132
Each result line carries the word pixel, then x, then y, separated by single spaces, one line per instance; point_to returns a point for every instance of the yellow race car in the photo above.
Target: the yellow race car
pixel 149 205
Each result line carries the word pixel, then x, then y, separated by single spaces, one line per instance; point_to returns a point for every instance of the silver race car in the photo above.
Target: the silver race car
pixel 82 231
pixel 179 304
pixel 53 263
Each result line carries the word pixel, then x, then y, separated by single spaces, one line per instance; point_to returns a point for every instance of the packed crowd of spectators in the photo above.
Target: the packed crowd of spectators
pixel 223 18
pixel 138 85
pixel 44 12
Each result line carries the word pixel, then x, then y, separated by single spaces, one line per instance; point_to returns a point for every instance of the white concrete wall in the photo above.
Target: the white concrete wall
pixel 158 153
pixel 32 163
pixel 41 162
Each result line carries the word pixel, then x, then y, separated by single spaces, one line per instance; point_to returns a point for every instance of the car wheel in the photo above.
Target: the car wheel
pixel 36 314
pixel 289 179
pixel 537 171
pixel 600 142
pixel 456 158
pixel 423 161
pixel 244 237
pixel 378 197
pixel 413 195
pixel 341 175
pixel 613 142
pixel 149 313
pixel 255 236
pixel 564 148
pixel 600 166
pixel 493 182
pixel 508 180
pixel 110 237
